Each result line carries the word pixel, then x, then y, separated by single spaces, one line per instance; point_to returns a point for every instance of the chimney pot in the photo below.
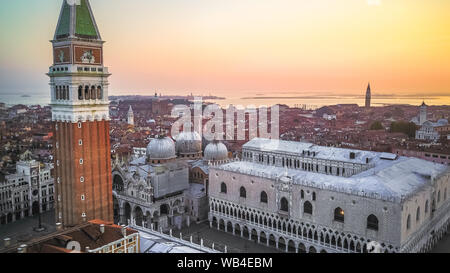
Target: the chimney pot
pixel 7 242
pixel 124 230
pixel 24 248
pixel 59 226
pixel 87 249
pixel 102 228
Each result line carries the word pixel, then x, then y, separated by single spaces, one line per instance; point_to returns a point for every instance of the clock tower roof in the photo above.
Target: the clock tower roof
pixel 76 20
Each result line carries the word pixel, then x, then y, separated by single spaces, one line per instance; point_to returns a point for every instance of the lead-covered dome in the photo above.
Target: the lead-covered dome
pixel 442 122
pixel 188 143
pixel 162 148
pixel 216 151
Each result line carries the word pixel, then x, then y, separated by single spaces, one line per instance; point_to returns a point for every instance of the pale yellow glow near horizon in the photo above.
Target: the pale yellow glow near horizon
pixel 281 46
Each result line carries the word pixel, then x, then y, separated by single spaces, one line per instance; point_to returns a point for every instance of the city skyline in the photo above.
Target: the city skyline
pixel 84 169
pixel 238 49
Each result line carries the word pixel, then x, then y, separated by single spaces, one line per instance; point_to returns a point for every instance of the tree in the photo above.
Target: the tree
pixel 376 126
pixel 408 128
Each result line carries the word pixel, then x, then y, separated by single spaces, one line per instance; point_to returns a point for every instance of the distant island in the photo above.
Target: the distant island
pixel 190 97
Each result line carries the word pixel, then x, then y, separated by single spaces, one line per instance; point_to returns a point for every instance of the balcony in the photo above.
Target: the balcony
pixel 70 69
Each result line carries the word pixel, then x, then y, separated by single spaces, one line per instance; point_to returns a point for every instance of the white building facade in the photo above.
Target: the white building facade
pixel 428 130
pixel 28 191
pixel 299 197
pixel 149 191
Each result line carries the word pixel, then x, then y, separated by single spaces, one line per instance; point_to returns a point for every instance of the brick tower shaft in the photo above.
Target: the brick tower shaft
pixel 80 113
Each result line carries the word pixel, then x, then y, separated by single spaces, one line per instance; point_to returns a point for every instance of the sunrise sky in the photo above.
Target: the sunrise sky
pixel 236 47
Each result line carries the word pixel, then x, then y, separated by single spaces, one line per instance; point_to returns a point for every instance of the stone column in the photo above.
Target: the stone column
pixel 122 217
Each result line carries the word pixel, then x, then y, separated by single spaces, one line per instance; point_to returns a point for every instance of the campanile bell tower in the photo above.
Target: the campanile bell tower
pixel 80 113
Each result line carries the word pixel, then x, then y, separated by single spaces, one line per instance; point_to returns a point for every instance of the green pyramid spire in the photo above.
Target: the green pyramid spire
pixel 64 21
pixel 76 20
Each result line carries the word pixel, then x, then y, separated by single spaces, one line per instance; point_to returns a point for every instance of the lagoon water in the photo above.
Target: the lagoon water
pixel 31 99
pixel 309 101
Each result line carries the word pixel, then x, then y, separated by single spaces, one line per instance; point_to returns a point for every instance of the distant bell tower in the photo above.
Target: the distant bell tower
pixel 423 116
pixel 130 116
pixel 368 96
pixel 80 114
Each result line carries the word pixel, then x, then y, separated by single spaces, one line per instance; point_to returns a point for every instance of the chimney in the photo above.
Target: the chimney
pixel 87 249
pixel 102 228
pixel 59 227
pixel 7 242
pixel 24 248
pixel 124 230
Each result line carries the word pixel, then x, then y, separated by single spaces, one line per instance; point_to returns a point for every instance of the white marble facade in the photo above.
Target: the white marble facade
pixel 300 197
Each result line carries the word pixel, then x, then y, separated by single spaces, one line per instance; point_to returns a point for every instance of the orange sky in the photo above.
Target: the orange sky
pixel 234 47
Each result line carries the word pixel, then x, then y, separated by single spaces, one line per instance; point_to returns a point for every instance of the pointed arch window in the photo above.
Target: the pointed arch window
pixel 372 222
pixel 93 93
pixel 264 197
pixel 63 93
pixel 408 222
pixel 86 93
pixel 80 93
pixel 243 192
pixel 284 205
pixel 99 93
pixel 339 215
pixel 223 187
pixel 57 92
pixel 308 208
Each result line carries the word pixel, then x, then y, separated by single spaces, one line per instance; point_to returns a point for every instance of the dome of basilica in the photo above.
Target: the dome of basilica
pixel 188 143
pixel 215 151
pixel 442 122
pixel 161 149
